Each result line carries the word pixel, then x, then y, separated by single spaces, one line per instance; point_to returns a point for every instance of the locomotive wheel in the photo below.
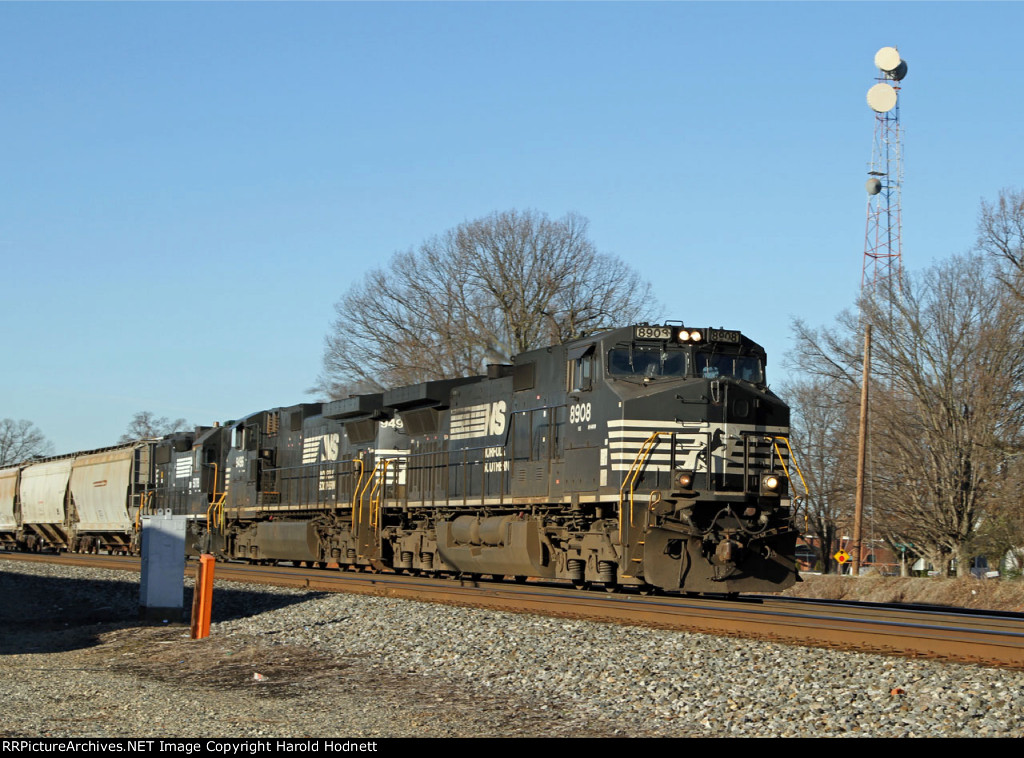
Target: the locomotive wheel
pixel 519 579
pixel 612 587
pixel 647 589
pixel 580 584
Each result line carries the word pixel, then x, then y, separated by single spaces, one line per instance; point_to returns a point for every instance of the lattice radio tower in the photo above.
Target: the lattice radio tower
pixel 883 247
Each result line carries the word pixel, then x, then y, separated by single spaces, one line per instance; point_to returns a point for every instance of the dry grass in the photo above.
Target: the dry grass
pixel 221 663
pixel 962 593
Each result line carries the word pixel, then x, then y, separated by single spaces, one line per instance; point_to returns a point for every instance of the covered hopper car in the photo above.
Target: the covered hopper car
pixel 83 502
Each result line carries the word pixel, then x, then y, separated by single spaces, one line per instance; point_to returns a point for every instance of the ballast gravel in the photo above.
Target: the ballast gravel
pixel 76 662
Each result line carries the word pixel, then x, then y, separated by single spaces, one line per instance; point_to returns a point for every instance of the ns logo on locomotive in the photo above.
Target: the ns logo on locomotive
pixel 648 456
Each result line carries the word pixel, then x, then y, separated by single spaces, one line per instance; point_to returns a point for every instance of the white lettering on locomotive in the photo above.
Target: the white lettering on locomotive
pixel 579 413
pixel 331 447
pixel 484 420
pixel 321 447
pixel 494 460
pixel 326 481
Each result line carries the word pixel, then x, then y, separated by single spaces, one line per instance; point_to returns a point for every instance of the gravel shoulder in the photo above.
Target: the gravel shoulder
pixel 74 661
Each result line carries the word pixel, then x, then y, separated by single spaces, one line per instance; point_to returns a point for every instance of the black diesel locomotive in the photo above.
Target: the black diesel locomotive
pixel 648 456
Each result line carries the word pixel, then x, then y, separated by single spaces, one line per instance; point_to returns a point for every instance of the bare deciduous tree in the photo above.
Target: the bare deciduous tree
pixel 823 428
pixel 21 441
pixel 1001 236
pixel 145 425
pixel 948 399
pixel 1000 535
pixel 478 293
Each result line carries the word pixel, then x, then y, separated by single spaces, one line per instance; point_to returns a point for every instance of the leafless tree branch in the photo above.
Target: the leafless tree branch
pixel 21 441
pixel 145 425
pixel 503 284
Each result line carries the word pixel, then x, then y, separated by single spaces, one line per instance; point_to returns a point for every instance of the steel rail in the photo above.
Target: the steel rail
pixel 992 639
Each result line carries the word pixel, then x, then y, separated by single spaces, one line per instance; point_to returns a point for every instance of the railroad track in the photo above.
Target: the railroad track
pixel 985 638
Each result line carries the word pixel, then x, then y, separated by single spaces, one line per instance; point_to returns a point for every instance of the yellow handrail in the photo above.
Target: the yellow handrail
pixel 377 491
pixel 634 473
pixel 215 477
pixel 357 504
pixel 217 508
pixel 142 505
pixel 792 457
pixel 359 482
pixel 216 503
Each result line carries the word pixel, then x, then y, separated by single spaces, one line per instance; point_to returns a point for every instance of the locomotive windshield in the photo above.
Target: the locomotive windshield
pixel 649 362
pixel 652 362
pixel 745 367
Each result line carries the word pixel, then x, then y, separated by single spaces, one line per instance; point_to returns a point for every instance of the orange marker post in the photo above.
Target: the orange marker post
pixel 202 598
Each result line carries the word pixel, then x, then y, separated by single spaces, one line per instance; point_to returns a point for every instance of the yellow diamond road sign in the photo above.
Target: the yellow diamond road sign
pixel 842 556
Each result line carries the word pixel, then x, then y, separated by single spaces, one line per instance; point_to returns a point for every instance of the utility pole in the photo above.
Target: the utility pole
pixel 862 447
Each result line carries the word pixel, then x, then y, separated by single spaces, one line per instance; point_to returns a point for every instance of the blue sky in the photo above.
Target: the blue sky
pixel 186 189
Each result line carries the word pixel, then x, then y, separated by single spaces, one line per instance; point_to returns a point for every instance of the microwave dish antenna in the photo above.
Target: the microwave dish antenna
pixel 882 98
pixel 883 246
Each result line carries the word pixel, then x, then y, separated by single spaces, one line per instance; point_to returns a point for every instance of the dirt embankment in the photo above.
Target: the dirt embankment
pixel 989 594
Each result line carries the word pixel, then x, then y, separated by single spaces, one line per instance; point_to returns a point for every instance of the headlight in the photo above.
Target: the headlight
pixel 773 484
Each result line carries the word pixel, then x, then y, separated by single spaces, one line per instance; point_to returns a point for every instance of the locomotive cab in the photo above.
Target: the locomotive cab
pixel 708 506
